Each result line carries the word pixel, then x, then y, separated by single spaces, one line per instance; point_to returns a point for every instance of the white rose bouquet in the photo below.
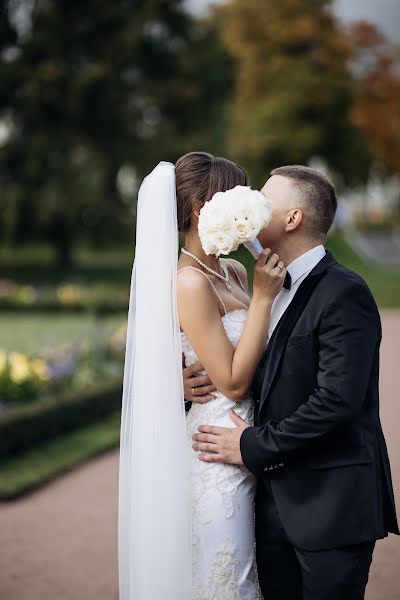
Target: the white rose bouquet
pixel 232 218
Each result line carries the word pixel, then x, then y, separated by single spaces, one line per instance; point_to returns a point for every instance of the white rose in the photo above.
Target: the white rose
pixel 225 242
pixel 244 229
pixel 231 218
pixel 261 211
pixel 214 217
pixel 238 201
pixel 218 241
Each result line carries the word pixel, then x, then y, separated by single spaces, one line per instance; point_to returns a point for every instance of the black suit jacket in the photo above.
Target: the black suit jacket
pixel 317 433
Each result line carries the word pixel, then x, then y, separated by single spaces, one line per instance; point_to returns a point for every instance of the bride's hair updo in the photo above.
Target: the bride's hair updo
pixel 199 175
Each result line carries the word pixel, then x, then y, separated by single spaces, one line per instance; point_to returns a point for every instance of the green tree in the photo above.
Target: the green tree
pixel 292 91
pixel 89 87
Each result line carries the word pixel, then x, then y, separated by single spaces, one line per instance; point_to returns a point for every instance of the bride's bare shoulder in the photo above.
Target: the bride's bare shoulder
pixel 195 295
pixel 192 280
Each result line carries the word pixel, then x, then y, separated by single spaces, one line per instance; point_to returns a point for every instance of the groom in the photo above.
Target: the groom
pixel 324 492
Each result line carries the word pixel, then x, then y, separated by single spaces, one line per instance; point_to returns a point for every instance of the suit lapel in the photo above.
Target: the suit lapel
pixel 272 356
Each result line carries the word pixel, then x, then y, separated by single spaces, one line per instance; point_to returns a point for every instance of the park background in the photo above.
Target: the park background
pixel 93 94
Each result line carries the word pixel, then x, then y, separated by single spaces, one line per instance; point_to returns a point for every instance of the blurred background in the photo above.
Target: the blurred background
pixel 93 94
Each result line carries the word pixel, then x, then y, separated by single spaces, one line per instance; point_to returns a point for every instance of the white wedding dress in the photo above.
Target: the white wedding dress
pixel 223 557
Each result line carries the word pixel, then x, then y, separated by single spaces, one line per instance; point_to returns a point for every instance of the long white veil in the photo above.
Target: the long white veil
pixel 154 518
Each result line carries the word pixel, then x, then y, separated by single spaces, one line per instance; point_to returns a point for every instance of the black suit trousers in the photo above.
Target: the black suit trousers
pixel 289 573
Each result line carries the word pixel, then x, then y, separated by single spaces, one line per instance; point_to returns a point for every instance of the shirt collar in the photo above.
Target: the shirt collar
pixel 306 262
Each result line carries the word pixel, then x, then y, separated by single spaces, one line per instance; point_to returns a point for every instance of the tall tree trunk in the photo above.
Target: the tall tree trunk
pixel 62 238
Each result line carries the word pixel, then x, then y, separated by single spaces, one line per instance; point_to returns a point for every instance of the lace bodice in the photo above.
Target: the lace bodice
pixel 233 321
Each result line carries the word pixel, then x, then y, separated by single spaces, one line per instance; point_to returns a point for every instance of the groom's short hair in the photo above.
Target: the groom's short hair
pixel 317 196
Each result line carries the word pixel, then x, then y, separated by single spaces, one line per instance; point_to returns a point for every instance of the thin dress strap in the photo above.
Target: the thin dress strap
pixel 209 279
pixel 238 278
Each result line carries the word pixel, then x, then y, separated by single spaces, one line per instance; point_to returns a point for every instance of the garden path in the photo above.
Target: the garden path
pixel 61 541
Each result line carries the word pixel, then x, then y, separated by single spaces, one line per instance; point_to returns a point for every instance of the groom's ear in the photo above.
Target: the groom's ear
pixel 293 219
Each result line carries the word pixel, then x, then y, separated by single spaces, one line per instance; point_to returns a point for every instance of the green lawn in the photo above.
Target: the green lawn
pixel 27 332
pixel 384 283
pixel 41 464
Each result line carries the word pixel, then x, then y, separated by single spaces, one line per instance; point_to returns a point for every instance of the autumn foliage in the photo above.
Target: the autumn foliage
pixel 305 85
pixel 376 80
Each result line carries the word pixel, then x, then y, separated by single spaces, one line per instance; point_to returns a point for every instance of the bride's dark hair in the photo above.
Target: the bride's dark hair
pixel 199 175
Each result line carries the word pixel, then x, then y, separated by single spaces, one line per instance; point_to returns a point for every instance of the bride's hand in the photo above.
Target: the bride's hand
pixel 269 276
pixel 197 388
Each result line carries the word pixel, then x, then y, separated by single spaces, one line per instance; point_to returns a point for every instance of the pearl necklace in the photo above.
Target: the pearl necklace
pixel 224 278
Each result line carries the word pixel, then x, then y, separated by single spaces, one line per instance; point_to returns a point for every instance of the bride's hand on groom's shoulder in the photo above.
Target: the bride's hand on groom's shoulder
pixel 197 387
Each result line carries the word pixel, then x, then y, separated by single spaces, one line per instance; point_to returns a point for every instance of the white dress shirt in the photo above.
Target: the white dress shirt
pixel 298 270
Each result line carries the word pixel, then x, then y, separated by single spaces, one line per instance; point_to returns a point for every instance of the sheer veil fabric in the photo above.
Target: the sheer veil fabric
pixel 154 512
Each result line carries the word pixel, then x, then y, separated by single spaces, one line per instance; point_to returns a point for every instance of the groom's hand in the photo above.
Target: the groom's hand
pixel 197 387
pixel 220 444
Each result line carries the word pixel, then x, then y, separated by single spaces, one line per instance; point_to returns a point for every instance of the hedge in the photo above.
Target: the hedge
pixel 30 470
pixel 42 420
pixel 101 308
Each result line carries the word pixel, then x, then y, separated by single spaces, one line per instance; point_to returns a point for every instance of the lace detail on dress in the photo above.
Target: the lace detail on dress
pixel 224 577
pixel 224 566
pixel 223 582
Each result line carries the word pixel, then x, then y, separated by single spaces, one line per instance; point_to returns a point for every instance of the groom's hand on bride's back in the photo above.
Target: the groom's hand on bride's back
pixel 197 387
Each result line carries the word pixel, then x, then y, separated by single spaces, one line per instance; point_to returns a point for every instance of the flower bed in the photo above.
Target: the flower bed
pixel 58 390
pixel 25 378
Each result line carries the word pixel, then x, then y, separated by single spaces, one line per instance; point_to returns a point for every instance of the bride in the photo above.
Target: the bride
pixel 186 527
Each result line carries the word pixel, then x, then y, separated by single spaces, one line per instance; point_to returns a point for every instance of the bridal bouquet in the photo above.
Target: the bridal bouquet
pixel 232 218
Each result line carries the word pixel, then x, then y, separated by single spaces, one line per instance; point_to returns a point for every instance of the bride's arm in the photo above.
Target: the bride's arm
pixel 231 370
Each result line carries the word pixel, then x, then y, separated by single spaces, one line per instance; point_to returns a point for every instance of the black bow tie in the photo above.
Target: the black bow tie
pixel 287 284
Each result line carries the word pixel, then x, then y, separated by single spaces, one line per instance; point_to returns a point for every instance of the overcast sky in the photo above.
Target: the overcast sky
pixel 385 13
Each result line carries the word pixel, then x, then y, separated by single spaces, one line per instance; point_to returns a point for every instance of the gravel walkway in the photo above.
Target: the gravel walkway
pixel 60 543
